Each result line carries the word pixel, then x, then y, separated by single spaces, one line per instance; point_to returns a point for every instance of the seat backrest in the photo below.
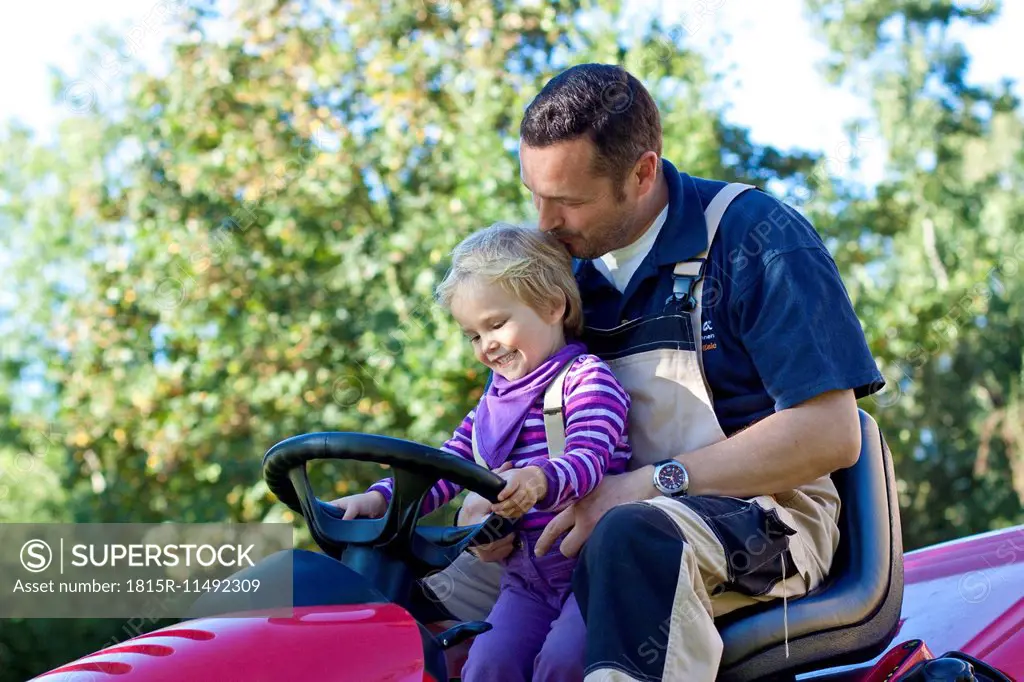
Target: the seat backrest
pixel 852 616
pixel 868 567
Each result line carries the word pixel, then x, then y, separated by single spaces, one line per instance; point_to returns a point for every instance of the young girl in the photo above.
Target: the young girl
pixel 512 291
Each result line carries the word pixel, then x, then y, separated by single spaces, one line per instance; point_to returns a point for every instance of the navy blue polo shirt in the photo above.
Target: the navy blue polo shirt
pixel 778 325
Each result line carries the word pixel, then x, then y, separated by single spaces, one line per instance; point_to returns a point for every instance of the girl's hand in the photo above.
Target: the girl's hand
pixel 369 505
pixel 524 488
pixel 474 510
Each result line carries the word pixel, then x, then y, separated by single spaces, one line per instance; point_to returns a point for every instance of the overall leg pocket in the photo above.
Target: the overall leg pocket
pixel 755 542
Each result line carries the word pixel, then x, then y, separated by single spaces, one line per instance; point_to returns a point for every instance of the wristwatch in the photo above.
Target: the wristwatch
pixel 671 478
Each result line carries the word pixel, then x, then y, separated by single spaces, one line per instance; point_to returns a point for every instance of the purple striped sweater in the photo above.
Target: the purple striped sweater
pixel 596 442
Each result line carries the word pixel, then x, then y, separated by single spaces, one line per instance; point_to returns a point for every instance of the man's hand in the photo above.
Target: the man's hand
pixel 523 488
pixel 584 515
pixel 474 510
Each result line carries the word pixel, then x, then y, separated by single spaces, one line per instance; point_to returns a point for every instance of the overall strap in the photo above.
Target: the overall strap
pixel 476 451
pixel 688 274
pixel 692 271
pixel 554 424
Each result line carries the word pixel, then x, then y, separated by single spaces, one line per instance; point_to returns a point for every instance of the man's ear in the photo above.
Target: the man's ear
pixel 646 172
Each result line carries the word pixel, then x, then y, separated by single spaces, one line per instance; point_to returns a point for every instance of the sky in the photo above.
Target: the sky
pixel 771 58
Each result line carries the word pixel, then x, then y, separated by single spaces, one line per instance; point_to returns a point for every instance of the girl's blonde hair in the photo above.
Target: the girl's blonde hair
pixel 525 262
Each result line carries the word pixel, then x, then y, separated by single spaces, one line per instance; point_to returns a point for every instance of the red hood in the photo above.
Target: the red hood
pixel 361 642
pixel 968 594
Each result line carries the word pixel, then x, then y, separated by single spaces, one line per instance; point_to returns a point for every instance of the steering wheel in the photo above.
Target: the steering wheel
pixel 416 468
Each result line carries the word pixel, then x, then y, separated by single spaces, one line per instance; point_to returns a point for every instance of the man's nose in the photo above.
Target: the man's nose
pixel 548 216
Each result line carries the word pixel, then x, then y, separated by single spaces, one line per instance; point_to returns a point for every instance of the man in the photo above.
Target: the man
pixel 744 360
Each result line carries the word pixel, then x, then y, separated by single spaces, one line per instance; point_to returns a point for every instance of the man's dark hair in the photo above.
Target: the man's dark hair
pixel 604 102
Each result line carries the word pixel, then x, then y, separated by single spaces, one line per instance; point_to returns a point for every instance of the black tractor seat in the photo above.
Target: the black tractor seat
pixel 854 614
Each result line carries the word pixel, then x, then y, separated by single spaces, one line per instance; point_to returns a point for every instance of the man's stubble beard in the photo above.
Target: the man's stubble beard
pixel 616 235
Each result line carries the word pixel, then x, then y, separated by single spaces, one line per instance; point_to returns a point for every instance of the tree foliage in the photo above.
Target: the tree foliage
pixel 941 296
pixel 243 248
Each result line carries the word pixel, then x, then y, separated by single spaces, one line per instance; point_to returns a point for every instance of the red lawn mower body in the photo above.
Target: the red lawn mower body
pixel 967 595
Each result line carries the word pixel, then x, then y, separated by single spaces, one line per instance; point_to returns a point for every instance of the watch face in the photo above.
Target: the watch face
pixel 671 477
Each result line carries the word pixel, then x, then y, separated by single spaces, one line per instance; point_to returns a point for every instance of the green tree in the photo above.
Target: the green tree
pixel 936 252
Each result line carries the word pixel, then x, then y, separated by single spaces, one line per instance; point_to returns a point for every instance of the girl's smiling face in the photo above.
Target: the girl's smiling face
pixel 508 336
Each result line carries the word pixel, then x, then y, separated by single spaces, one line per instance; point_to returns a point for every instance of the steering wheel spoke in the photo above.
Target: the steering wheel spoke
pixel 328 530
pixel 409 492
pixel 438 546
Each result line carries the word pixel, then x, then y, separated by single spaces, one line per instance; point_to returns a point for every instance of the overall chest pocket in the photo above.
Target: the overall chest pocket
pixel 654 332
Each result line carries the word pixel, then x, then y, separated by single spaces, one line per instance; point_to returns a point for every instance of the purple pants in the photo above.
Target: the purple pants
pixel 538 632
